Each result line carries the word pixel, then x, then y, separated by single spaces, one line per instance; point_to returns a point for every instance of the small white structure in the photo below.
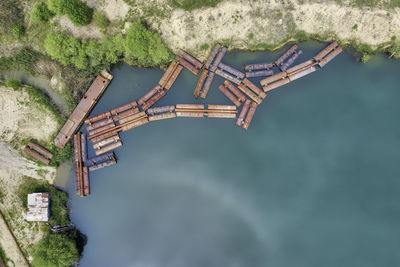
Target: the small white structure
pixel 38 207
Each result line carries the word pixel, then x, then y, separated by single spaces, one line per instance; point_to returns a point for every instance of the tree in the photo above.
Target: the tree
pixel 55 250
pixel 41 13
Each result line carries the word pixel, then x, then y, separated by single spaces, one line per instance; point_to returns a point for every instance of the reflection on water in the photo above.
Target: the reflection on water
pixel 313 182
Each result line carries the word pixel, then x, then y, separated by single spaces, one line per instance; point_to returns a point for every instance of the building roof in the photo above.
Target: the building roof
pixel 38 207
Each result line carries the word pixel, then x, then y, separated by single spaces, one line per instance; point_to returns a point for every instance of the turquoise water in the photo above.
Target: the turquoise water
pixel 313 182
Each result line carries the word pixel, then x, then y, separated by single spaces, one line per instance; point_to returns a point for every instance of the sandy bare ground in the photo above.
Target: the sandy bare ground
pixel 243 23
pixel 9 246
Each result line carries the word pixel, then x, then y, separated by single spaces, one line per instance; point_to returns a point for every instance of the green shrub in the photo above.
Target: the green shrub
pixel 15 84
pixel 77 11
pixel 144 47
pixel 204 47
pixel 364 58
pixel 23 60
pixel 55 250
pixel 41 13
pixel 18 31
pixel 193 4
pixel 100 20
pixel 58 199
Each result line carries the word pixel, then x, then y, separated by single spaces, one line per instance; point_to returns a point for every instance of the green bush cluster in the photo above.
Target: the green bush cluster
pixel 40 12
pixel 77 11
pixel 138 46
pixel 18 31
pixel 55 250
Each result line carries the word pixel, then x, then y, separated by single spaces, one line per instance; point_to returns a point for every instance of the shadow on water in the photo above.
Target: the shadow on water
pixel 313 182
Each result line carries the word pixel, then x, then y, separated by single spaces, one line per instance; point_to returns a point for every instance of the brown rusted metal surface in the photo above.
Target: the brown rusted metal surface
pixel 164 79
pixel 126 114
pixel 122 108
pixel 108 148
pixel 207 85
pixel 250 115
pixel 154 100
pixel 78 165
pixel 174 76
pixel 221 107
pixel 235 91
pixel 231 70
pixel 98 124
pixel 254 88
pixel 157 110
pixel 250 93
pixel 189 114
pixel 103 136
pixel 194 61
pixel 149 94
pixel 325 51
pixel 227 76
pixel 102 128
pixel 36 155
pixel 299 66
pixel 302 73
pixel 200 83
pixel 276 84
pixel 243 112
pixel 282 58
pixel 98 117
pixel 273 78
pixel 162 116
pixel 40 149
pixel 190 106
pixel 86 181
pixel 188 65
pixel 212 55
pixel 82 109
pixel 112 139
pixel 331 56
pixel 221 115
pixel 135 124
pixel 141 114
pixel 218 59
pixel 229 95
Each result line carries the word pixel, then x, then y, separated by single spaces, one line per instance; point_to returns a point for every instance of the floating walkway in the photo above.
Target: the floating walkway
pixel 103 129
pixel 82 109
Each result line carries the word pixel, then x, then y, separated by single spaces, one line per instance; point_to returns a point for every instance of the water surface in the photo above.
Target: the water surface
pixel 313 182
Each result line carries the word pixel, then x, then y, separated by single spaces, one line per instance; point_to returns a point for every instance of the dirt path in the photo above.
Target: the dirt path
pixel 10 246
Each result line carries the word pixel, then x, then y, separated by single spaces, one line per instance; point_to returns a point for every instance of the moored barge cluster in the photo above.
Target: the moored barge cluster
pixel 103 129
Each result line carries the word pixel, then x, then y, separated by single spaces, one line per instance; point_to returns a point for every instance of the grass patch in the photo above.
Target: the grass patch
pixel 23 60
pixel 14 84
pixel 189 5
pixel 100 20
pixel 204 47
pixel 4 257
pixel 58 199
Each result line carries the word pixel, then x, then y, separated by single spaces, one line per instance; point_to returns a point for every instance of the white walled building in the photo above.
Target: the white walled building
pixel 38 207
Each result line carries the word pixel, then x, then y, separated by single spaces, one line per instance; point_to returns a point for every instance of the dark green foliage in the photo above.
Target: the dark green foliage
pixel 394 51
pixel 40 13
pixel 61 155
pixel 364 58
pixel 58 199
pixel 55 250
pixel 100 20
pixel 15 84
pixel 18 31
pixel 144 47
pixel 3 257
pixel 77 11
pixel 139 46
pixel 10 15
pixel 193 4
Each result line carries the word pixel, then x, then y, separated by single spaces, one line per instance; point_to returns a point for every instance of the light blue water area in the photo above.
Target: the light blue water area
pixel 313 182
